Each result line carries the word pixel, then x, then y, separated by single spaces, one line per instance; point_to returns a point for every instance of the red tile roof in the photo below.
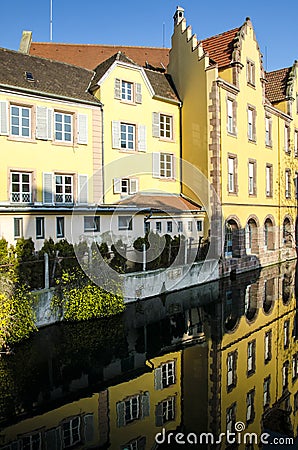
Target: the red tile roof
pixel 89 56
pixel 166 202
pixel 220 47
pixel 276 85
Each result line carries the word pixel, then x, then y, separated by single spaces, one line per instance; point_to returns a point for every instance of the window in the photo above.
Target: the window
pixel 296 143
pixel 199 225
pixel 135 444
pixel 18 227
pixel 165 411
pixel 268 131
pixel 250 406
pixel 133 408
pixel 63 188
pixel 125 223
pixel 31 442
pixel 147 227
pixel 269 180
pixel 230 116
pixel 158 227
pixel 231 370
pixel 128 133
pixel 251 357
pixel 288 183
pixel 60 227
pixel 267 346
pixel 169 227
pixel 166 165
pixel 21 187
pixel 251 123
pixel 287 138
pixel 63 127
pixel 71 432
pixel 266 391
pixel 165 126
pixel 180 226
pixel 250 72
pixel 39 226
pixel 91 223
pixel 20 121
pixel 126 186
pixel 252 178
pixel 189 225
pixel 286 333
pixel 162 126
pixel 232 175
pixel 126 91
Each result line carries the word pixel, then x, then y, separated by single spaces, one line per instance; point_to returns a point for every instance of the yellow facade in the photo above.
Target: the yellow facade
pixel 137 162
pixel 226 118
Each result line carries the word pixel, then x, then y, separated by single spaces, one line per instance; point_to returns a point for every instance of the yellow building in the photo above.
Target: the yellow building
pixel 50 137
pixel 238 128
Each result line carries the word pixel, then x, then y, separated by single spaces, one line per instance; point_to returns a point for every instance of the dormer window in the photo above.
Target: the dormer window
pixel 127 91
pixel 250 72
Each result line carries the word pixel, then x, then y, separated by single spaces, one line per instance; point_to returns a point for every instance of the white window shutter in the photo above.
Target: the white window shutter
pixel 156 165
pixel 174 168
pixel 83 189
pixel 230 108
pixel 231 165
pixel 142 138
pixel 50 124
pixel 117 89
pixel 133 185
pixel 116 134
pixel 117 185
pixel 3 118
pixel 82 129
pixel 138 93
pixel 41 122
pixel 48 188
pixel 155 124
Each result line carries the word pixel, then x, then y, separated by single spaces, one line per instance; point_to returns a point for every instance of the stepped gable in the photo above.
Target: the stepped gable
pixel 90 56
pixel 45 76
pixel 277 83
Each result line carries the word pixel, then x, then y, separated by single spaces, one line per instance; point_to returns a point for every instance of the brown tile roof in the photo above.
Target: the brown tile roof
pixel 50 77
pixel 220 47
pixel 160 202
pixel 276 85
pixel 161 83
pixel 89 56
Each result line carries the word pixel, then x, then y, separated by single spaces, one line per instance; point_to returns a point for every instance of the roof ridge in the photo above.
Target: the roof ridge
pixel 99 45
pixel 278 70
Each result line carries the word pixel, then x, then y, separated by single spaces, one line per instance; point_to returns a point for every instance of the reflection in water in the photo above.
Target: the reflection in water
pixel 198 361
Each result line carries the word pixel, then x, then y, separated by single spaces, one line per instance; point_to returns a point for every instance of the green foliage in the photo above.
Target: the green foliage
pixel 16 317
pixel 118 261
pixel 80 299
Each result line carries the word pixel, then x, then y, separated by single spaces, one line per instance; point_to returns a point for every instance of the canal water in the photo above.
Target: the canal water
pixel 214 366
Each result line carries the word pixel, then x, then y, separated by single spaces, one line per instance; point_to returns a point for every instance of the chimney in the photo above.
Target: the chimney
pixel 179 15
pixel 25 43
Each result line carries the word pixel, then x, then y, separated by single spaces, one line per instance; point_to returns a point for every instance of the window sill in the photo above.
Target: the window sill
pixel 233 194
pixel 250 84
pixel 252 141
pixel 269 146
pixel 254 195
pixel 21 139
pixel 64 144
pixel 232 134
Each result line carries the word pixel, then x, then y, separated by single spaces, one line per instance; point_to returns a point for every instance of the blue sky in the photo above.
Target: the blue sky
pixel 150 23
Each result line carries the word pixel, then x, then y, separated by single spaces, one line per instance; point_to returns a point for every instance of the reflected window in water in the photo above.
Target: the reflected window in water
pixel 165 411
pixel 267 346
pixel 231 370
pixel 32 442
pixel 251 357
pixel 268 295
pixel 286 333
pixel 231 418
pixel 71 432
pixel 250 304
pixel 266 390
pixel 164 375
pixel 135 444
pixel 250 408
pixel 285 375
pixel 295 367
pixel 286 290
